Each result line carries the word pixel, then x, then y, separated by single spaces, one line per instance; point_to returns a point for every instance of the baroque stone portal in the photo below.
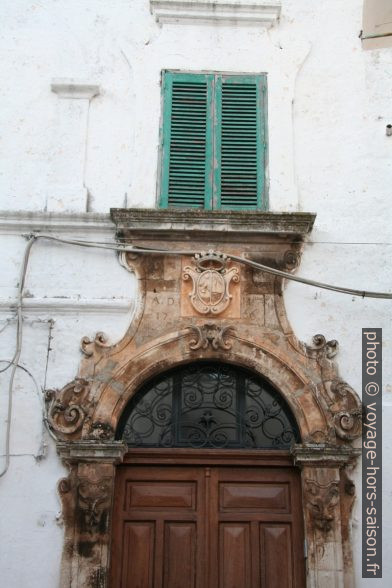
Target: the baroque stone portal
pixel 198 306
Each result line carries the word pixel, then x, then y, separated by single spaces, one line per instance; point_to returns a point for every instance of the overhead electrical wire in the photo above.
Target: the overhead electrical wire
pixel 244 261
pixel 33 237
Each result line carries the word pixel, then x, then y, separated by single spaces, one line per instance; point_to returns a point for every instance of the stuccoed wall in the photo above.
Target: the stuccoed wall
pixel 329 102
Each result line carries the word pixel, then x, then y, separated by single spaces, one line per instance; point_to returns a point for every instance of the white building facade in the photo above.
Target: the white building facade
pixel 82 116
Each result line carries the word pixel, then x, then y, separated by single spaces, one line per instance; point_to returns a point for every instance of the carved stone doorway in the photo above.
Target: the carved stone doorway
pixel 194 522
pixel 201 524
pixel 176 323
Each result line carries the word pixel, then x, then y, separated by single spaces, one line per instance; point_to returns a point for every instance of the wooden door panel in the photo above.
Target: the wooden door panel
pixel 255 496
pixel 207 527
pixel 276 556
pixel 235 555
pixel 180 555
pixel 160 495
pixel 162 510
pixel 138 555
pixel 266 502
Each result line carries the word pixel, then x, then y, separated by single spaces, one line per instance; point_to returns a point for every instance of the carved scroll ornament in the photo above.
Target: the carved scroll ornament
pixel 347 411
pixel 68 408
pixel 211 334
pixel 89 346
pixel 211 282
pixel 322 348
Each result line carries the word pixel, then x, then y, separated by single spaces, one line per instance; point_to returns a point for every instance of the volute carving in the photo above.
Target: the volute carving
pixel 347 411
pixel 89 346
pixel 68 408
pixel 322 348
pixel 211 334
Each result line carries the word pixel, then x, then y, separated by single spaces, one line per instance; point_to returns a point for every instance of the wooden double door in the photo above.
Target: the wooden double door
pixel 204 525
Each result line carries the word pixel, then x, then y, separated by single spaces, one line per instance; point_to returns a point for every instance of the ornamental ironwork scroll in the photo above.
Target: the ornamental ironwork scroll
pixel 209 405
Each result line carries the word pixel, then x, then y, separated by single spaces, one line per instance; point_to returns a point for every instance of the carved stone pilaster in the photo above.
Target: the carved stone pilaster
pixel 86 496
pixel 324 484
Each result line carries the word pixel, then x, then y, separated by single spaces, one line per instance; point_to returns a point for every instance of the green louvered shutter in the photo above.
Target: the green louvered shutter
pixel 240 142
pixel 187 141
pixel 213 139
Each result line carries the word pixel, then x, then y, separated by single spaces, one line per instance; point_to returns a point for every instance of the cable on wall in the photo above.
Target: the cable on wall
pixel 34 237
pixel 260 266
pixel 18 349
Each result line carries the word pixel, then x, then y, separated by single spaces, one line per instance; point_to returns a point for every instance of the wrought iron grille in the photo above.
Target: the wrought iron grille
pixel 208 405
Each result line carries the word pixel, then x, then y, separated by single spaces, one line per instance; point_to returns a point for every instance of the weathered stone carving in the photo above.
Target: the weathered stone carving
pixel 86 497
pixel 68 408
pixel 88 346
pixel 321 500
pixel 291 259
pixel 322 348
pixel 347 411
pixel 64 486
pixel 211 281
pixel 101 431
pixel 320 437
pixel 94 499
pixel 211 334
pixel 171 290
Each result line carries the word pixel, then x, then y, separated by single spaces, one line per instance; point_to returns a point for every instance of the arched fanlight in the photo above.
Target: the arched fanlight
pixel 208 405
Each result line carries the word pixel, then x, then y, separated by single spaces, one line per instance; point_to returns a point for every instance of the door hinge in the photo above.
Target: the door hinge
pixel 305 549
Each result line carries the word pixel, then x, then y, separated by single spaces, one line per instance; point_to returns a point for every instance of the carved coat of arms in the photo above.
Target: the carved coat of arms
pixel 211 281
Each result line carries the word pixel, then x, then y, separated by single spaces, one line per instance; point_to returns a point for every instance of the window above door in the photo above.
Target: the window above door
pixel 208 405
pixel 214 141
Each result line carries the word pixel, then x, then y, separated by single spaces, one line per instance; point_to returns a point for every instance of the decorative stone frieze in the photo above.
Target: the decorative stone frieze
pixel 251 330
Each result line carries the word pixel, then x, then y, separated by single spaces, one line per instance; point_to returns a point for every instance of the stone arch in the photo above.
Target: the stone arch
pixel 286 376
pixel 86 412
